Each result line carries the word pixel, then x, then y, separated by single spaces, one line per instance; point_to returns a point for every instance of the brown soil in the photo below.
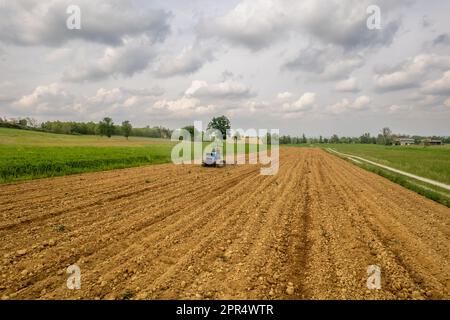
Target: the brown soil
pixel 172 232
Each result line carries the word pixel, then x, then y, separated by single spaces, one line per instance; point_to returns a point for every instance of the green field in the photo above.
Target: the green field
pixel 28 154
pixel 429 162
pixel 14 137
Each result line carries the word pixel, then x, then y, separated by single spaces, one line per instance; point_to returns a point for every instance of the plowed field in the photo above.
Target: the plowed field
pixel 172 232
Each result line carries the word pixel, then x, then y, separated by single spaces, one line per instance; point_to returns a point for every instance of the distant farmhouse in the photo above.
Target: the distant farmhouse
pixel 404 141
pixel 432 142
pixel 411 141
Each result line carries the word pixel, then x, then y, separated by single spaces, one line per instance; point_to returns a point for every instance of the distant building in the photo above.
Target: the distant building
pixel 404 141
pixel 432 142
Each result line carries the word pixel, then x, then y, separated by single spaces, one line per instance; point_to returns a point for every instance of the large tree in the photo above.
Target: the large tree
pixel 334 138
pixel 221 123
pixel 106 127
pixel 304 139
pixel 387 136
pixel 365 138
pixel 126 128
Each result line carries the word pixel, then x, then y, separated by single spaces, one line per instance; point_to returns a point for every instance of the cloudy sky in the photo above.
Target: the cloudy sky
pixel 307 66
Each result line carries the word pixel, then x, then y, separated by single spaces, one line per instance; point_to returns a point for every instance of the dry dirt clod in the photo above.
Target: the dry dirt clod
pixel 290 291
pixel 22 252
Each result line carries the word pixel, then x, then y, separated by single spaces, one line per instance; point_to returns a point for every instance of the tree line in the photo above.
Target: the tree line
pixel 105 127
pixel 384 137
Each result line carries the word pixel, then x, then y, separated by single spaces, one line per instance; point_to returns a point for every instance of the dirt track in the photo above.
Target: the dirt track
pixel 172 232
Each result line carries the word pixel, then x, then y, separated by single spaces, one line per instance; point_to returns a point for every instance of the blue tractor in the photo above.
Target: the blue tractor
pixel 213 159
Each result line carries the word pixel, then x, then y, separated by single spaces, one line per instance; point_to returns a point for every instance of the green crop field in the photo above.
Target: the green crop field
pixel 431 162
pixel 14 137
pixel 28 154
